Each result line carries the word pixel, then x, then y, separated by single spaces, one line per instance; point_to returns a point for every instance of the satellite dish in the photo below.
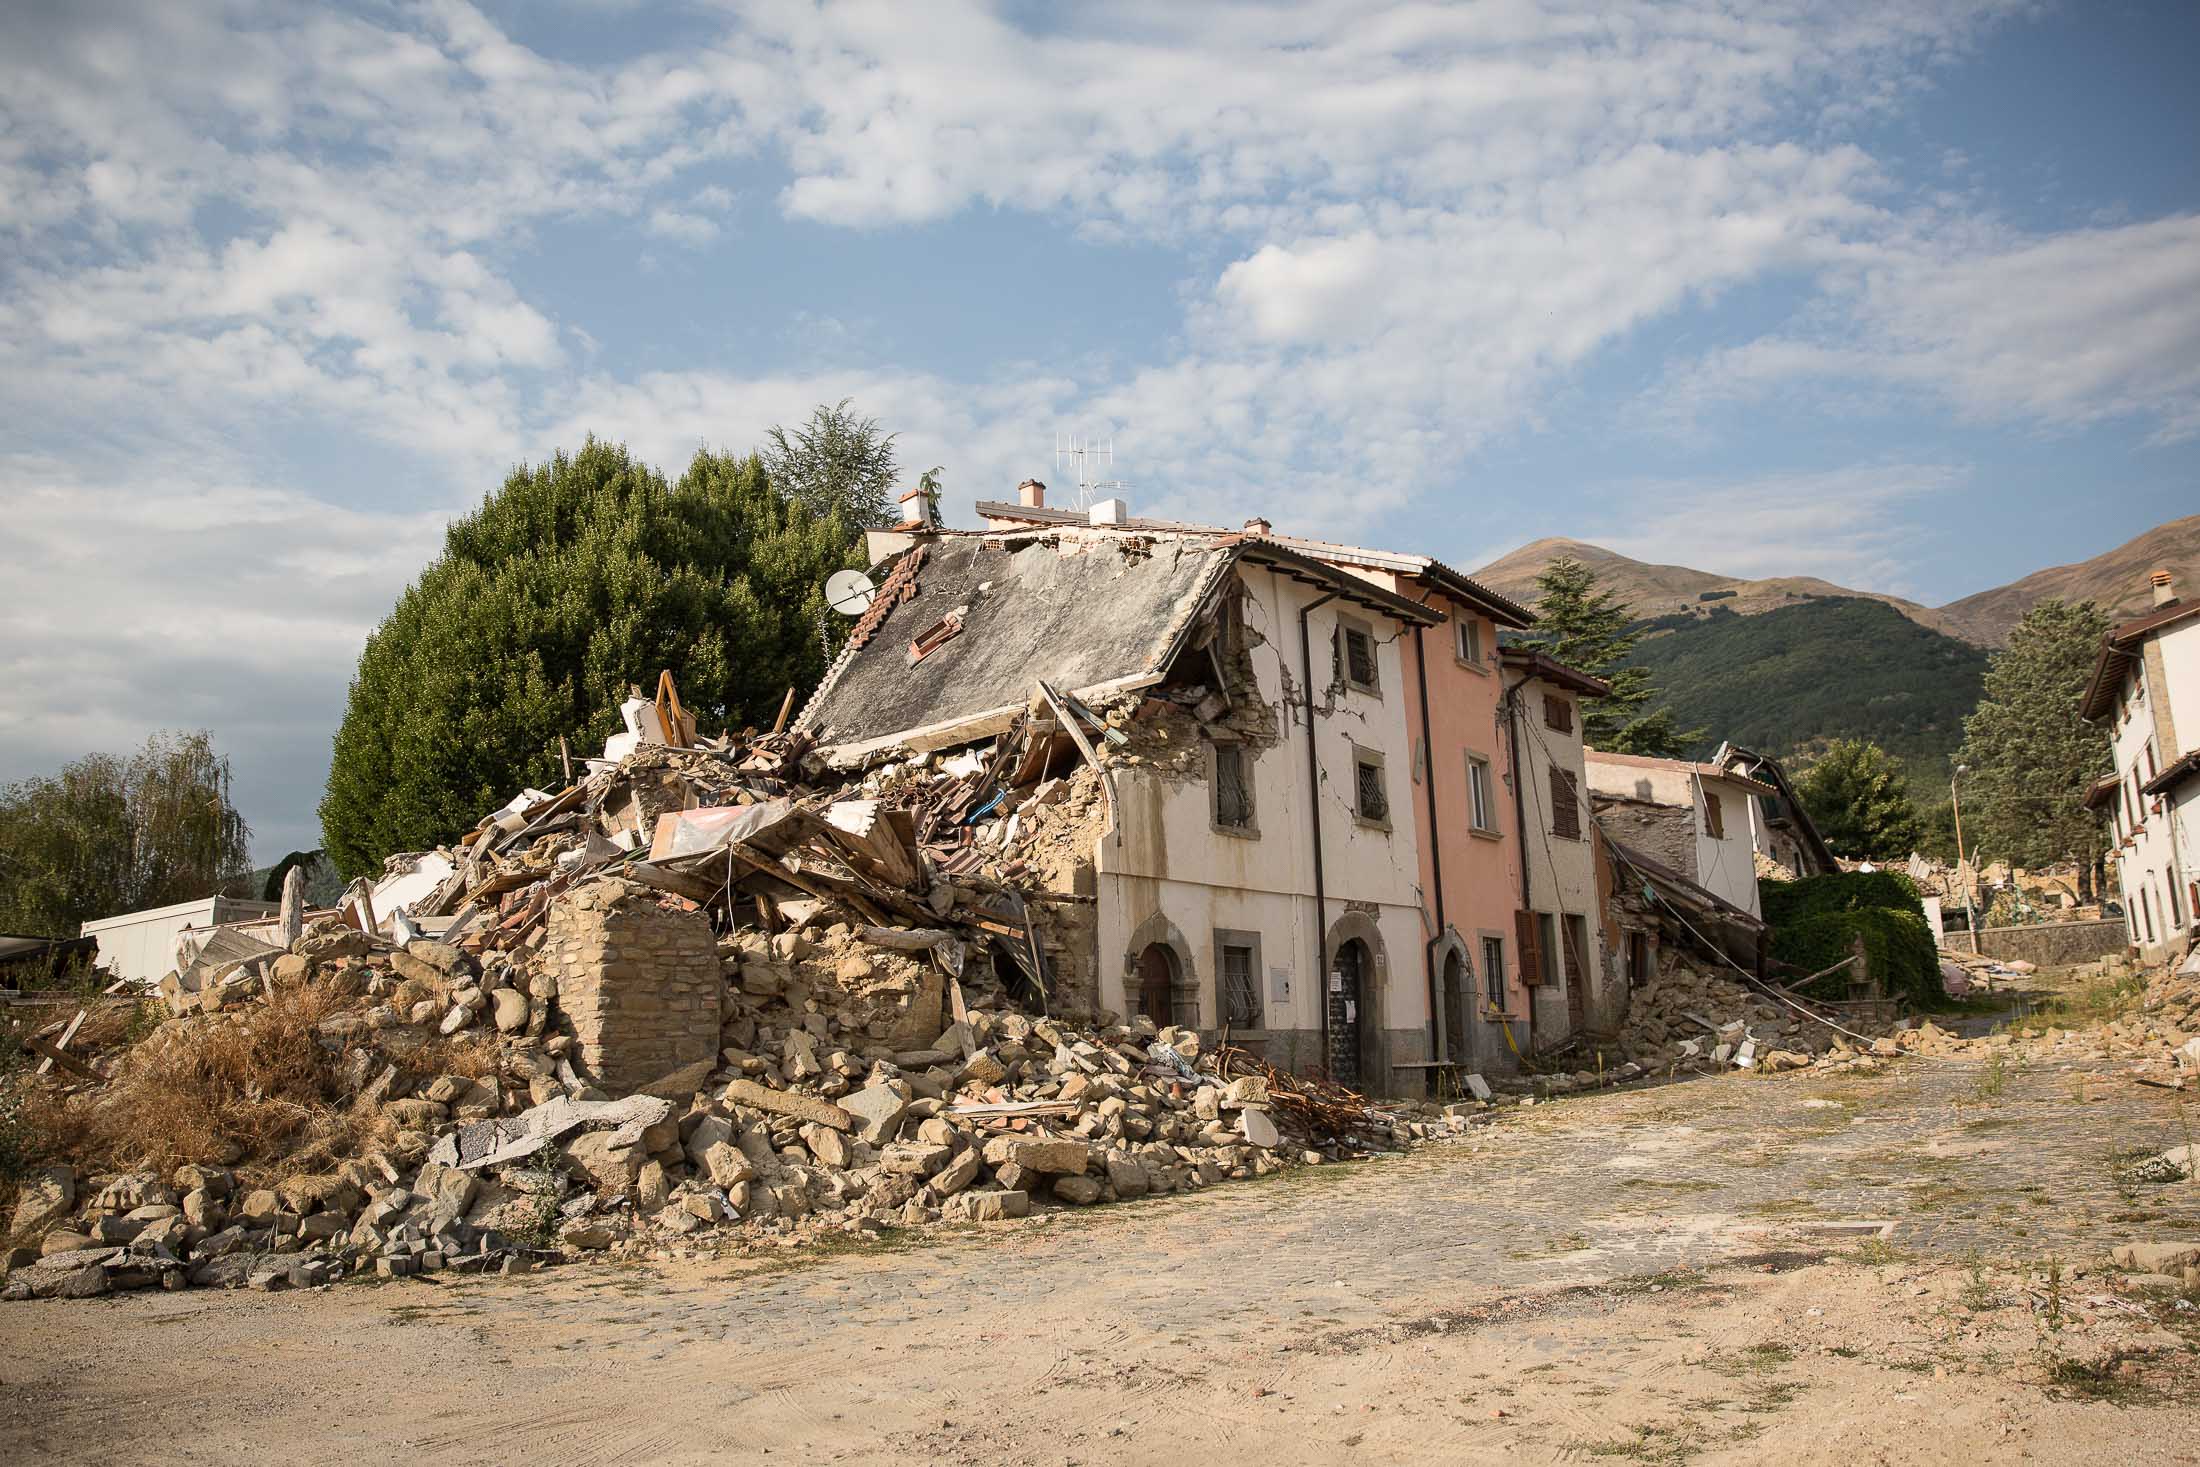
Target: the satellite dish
pixel 849 592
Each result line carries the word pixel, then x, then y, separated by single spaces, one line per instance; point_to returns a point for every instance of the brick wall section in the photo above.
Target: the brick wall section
pixel 639 984
pixel 2049 944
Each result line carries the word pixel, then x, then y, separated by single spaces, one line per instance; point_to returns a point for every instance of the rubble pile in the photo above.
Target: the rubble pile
pixel 691 999
pixel 1690 1017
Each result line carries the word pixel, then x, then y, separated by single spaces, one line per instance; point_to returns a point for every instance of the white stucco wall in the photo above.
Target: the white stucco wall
pixel 1167 859
pixel 2163 847
pixel 1726 865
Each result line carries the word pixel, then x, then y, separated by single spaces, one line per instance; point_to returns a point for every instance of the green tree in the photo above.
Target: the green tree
pixel 837 461
pixel 109 835
pixel 1583 625
pixel 579 578
pixel 2030 758
pixel 1859 798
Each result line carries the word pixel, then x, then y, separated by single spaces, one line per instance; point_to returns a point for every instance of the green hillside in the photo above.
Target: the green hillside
pixel 1784 682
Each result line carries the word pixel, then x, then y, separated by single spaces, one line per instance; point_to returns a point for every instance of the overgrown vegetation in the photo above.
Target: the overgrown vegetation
pixel 1816 922
pixel 576 576
pixel 253 1089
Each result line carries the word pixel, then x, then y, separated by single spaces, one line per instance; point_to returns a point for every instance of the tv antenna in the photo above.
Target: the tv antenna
pixel 1085 456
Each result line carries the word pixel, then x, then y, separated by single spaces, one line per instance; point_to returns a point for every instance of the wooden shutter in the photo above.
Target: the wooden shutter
pixel 1558 714
pixel 1565 806
pixel 1530 950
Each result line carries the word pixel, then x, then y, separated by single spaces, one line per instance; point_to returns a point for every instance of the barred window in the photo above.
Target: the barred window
pixel 1233 787
pixel 1493 970
pixel 1371 802
pixel 1240 988
pixel 1359 657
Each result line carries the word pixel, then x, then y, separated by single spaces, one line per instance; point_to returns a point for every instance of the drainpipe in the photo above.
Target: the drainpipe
pixel 1314 814
pixel 1435 845
pixel 1510 703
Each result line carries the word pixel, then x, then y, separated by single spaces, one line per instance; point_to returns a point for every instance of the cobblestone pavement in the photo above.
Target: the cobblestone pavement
pixel 1166 1327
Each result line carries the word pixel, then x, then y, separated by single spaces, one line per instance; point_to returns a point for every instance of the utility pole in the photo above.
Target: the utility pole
pixel 1970 914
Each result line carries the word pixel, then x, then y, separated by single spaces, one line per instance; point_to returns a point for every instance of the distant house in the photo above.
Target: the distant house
pixel 1783 830
pixel 2146 688
pixel 1701 821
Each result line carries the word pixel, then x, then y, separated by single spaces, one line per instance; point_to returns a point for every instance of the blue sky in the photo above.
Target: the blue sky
pixel 1902 295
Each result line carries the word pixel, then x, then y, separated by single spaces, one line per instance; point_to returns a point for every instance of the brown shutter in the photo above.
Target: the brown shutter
pixel 1531 952
pixel 1565 805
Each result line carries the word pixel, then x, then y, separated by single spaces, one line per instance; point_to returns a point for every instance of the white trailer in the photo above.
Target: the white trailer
pixel 141 946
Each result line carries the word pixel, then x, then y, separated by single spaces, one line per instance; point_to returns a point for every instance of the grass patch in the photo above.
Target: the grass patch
pixel 1878 1251
pixel 2075 1380
pixel 2101 1001
pixel 1750 1360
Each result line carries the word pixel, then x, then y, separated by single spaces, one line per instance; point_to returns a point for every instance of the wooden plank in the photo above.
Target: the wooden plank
pixel 786 707
pixel 60 1057
pixel 45 1066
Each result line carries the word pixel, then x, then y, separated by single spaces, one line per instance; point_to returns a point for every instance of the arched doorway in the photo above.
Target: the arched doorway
pixel 1157 981
pixel 1349 975
pixel 1458 993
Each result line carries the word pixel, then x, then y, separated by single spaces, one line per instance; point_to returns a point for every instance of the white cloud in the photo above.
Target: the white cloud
pixel 1403 228
pixel 2058 331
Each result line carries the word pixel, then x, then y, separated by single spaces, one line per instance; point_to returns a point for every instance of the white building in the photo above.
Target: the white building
pixel 2146 687
pixel 1701 820
pixel 143 946
pixel 1264 879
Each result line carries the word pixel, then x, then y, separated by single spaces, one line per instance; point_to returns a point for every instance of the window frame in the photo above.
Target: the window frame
pixel 1481 795
pixel 1250 829
pixel 1349 627
pixel 1226 940
pixel 1493 978
pixel 1364 758
pixel 1558 713
pixel 1466 645
pixel 1714 816
pixel 1546 941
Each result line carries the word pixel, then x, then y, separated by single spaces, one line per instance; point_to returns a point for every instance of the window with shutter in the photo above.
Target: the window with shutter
pixel 1558 714
pixel 1546 946
pixel 1531 964
pixel 1565 806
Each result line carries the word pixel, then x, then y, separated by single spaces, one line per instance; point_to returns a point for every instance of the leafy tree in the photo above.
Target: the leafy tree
pixel 2030 757
pixel 1859 798
pixel 578 579
pixel 1583 625
pixel 109 835
pixel 837 461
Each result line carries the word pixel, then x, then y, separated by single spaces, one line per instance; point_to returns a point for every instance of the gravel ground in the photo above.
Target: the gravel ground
pixel 1907 1267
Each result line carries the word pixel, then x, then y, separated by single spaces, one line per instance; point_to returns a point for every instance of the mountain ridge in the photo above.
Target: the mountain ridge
pixel 1652 591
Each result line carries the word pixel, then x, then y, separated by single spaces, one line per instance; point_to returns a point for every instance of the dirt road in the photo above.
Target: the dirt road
pixel 1703 1271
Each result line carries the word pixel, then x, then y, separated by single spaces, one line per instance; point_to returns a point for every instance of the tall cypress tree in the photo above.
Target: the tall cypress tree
pixel 1583 625
pixel 2030 756
pixel 578 578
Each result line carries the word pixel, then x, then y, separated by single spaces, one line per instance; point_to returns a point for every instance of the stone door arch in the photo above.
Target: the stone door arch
pixel 1356 981
pixel 1156 951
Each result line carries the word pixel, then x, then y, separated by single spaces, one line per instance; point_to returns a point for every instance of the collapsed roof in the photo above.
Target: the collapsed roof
pixel 965 624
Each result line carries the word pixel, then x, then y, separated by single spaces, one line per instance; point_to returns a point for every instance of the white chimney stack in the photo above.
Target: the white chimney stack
pixel 1109 512
pixel 1258 525
pixel 2165 592
pixel 1031 494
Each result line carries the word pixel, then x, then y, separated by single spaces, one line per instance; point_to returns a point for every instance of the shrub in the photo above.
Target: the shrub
pixel 1817 921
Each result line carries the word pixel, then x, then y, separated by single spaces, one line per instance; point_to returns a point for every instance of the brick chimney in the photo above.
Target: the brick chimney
pixel 1031 494
pixel 1258 525
pixel 2165 592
